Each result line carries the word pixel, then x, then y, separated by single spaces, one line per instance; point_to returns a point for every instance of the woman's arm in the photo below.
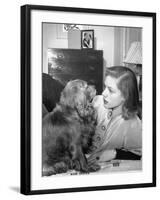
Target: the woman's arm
pixel 102 156
pixel 107 155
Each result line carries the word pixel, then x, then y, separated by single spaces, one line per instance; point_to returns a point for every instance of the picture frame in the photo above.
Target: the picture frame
pixel 87 39
pixel 32 63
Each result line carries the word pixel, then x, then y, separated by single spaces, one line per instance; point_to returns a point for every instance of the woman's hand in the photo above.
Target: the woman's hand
pixel 102 156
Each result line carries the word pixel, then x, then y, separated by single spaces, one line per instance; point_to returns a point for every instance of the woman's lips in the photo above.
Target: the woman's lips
pixel 105 101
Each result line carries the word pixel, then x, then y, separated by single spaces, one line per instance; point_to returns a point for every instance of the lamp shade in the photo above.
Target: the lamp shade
pixel 134 55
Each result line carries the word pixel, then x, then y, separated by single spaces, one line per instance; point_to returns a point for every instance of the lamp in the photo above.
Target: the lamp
pixel 134 55
pixel 133 58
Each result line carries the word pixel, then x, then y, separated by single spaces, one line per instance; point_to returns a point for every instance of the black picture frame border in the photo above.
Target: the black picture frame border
pixel 25 146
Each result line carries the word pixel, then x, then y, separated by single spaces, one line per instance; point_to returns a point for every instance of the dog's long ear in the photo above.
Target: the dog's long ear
pixel 67 98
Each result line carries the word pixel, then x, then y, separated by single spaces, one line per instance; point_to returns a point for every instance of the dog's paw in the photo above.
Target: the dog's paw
pixel 48 171
pixel 94 168
pixel 76 165
pixel 60 167
pixel 57 168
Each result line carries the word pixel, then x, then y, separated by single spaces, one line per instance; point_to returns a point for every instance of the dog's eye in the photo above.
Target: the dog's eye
pixel 80 105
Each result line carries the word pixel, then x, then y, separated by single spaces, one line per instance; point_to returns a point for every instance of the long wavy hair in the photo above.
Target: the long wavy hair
pixel 127 84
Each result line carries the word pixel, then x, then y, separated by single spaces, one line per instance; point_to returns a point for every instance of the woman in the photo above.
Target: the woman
pixel 119 130
pixel 87 41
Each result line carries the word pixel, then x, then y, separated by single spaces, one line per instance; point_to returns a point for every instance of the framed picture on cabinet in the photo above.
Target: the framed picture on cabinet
pixel 57 151
pixel 87 39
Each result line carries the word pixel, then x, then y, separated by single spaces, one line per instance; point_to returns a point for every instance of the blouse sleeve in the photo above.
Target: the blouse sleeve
pixel 133 136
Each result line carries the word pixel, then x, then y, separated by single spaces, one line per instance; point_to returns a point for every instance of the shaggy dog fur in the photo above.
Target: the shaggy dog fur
pixel 68 130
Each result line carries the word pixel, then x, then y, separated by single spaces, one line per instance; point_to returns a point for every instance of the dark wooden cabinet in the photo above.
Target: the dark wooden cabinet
pixel 70 64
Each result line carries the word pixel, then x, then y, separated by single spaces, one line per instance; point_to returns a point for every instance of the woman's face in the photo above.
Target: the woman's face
pixel 112 96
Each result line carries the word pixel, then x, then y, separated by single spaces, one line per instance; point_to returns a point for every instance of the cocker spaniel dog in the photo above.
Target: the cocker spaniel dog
pixel 68 130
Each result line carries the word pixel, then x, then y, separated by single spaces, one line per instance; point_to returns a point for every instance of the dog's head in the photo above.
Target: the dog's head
pixel 78 95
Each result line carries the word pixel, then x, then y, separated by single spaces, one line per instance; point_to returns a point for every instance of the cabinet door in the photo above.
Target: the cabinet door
pixel 67 64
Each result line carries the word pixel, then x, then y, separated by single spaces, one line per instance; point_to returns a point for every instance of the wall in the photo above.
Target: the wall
pixel 119 45
pixel 104 40
pixel 131 35
pixel 123 37
pixel 114 41
pixel 52 38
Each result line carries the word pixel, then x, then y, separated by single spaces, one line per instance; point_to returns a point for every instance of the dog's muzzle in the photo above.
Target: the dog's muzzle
pixel 91 92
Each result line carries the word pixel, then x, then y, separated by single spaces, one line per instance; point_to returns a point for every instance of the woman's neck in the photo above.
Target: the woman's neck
pixel 117 110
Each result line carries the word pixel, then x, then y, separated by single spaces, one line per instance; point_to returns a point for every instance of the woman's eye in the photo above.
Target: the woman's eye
pixel 111 91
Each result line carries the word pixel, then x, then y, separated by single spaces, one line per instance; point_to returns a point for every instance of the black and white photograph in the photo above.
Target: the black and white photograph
pixel 87 39
pixel 92 112
pixel 91 115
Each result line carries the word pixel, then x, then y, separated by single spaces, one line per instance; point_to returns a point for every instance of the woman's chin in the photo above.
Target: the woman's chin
pixel 106 106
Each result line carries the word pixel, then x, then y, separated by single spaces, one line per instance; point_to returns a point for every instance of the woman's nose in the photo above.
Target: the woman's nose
pixel 105 93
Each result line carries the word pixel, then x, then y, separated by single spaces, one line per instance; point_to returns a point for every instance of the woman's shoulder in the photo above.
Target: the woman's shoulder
pixel 133 123
pixel 135 120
